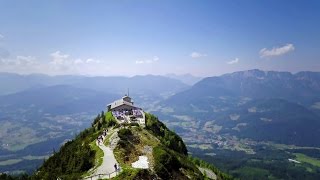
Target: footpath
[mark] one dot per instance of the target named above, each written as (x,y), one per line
(107,169)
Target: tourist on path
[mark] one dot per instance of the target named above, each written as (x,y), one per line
(115,167)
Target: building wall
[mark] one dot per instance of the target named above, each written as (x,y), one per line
(122,108)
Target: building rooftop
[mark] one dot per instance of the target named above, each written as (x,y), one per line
(125,100)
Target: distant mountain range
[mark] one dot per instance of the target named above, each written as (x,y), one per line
(262,105)
(185,78)
(160,85)
(144,89)
(58,99)
(302,87)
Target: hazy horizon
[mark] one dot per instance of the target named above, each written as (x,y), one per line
(164,75)
(112,38)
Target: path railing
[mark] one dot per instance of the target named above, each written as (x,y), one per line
(101,175)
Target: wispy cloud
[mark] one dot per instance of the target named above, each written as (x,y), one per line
(1,36)
(91,60)
(235,61)
(148,61)
(86,61)
(58,58)
(139,62)
(25,60)
(197,55)
(59,63)
(22,61)
(276,51)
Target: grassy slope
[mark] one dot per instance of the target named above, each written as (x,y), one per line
(307,159)
(167,154)
(78,156)
(133,146)
(129,153)
(168,159)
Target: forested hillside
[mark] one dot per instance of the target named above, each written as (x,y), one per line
(168,157)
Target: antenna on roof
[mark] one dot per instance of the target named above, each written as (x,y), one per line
(128,92)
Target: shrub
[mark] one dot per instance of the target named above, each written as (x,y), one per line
(168,138)
(135,124)
(73,159)
(164,161)
(205,164)
(110,120)
(124,133)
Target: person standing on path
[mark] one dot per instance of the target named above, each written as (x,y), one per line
(115,167)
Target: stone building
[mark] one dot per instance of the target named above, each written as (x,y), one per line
(123,104)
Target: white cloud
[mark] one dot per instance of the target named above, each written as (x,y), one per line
(91,60)
(139,62)
(78,61)
(59,63)
(1,36)
(63,63)
(148,61)
(25,60)
(235,61)
(87,61)
(58,58)
(276,51)
(155,58)
(18,62)
(197,55)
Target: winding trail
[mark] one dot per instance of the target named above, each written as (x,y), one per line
(107,166)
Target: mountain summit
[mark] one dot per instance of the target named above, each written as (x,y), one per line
(126,143)
(302,87)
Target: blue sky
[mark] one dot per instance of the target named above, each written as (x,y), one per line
(125,37)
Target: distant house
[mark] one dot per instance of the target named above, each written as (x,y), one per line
(123,104)
(295,161)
